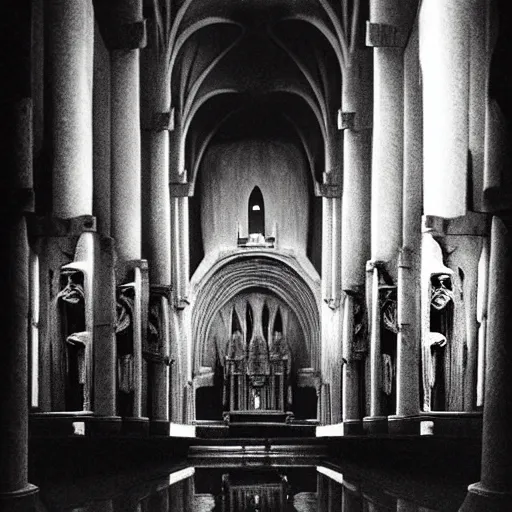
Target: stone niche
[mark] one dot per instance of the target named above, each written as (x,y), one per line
(64,254)
(454,311)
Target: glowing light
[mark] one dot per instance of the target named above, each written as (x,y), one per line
(256,208)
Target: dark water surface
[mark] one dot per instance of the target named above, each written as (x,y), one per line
(255,487)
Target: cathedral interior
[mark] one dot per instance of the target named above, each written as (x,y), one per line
(256,255)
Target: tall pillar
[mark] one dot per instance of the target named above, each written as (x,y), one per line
(124,36)
(336,361)
(386,34)
(180,266)
(105,418)
(156,116)
(126,142)
(16,147)
(494,491)
(14,486)
(445,40)
(331,313)
(71,36)
(357,106)
(406,419)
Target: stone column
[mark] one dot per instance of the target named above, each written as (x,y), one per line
(126,142)
(70,48)
(124,35)
(184,269)
(406,419)
(494,491)
(14,486)
(445,57)
(385,33)
(16,147)
(326,312)
(156,116)
(351,410)
(336,361)
(351,497)
(357,113)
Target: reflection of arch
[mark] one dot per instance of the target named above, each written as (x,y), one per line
(256,212)
(230,277)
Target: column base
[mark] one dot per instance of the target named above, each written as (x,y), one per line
(21,500)
(135,426)
(479,498)
(58,424)
(404,425)
(104,425)
(352,428)
(455,424)
(159,428)
(375,425)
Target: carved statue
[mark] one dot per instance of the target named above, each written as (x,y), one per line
(77,339)
(281,357)
(280,348)
(236,349)
(155,342)
(124,335)
(441,296)
(258,361)
(388,308)
(360,342)
(234,372)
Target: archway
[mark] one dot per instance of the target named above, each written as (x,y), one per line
(247,280)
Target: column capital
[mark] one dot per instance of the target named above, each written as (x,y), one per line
(160,122)
(371,265)
(181,189)
(405,257)
(328,190)
(19,200)
(161,290)
(382,35)
(125,36)
(346,120)
(58,227)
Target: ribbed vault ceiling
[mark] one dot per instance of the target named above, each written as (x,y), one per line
(249,68)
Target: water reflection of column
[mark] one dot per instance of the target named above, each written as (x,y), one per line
(494,491)
(334,496)
(405,506)
(100,506)
(351,497)
(322,492)
(159,502)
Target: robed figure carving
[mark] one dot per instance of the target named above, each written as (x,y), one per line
(77,340)
(281,361)
(234,389)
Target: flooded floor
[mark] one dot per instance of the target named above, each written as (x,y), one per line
(229,487)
